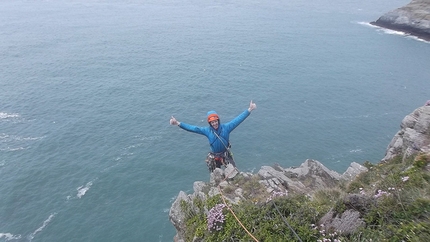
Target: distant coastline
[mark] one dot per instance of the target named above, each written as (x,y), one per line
(412,19)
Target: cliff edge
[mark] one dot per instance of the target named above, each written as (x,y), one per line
(413,19)
(413,136)
(314,203)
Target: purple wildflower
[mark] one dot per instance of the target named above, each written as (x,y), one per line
(276,194)
(216,217)
(380,193)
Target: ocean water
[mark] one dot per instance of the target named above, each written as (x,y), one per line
(87,89)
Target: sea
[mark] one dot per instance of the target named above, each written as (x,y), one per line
(87,88)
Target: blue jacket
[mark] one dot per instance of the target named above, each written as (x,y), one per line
(223,132)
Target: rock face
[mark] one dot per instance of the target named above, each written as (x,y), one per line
(413,137)
(352,218)
(413,19)
(306,179)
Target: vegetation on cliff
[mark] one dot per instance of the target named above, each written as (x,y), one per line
(392,199)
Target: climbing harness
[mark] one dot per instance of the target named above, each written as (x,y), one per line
(216,160)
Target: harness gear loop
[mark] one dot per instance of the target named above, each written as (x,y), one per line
(216,160)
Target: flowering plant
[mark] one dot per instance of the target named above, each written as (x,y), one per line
(216,217)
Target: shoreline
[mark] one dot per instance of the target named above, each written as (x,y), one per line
(405,29)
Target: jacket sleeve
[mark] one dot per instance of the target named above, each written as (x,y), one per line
(236,121)
(192,128)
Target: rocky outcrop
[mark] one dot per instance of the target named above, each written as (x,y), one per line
(305,179)
(308,177)
(351,219)
(413,19)
(413,136)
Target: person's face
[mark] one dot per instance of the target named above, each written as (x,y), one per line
(214,124)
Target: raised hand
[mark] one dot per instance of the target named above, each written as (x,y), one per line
(252,106)
(173,121)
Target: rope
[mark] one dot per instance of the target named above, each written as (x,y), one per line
(234,215)
(222,195)
(286,222)
(237,219)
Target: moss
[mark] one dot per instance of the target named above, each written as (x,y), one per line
(354,187)
(421,161)
(324,199)
(252,187)
(368,165)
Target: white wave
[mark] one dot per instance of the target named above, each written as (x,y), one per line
(133,146)
(12,149)
(151,138)
(8,115)
(45,223)
(110,167)
(31,138)
(9,236)
(83,189)
(172,199)
(356,151)
(417,39)
(367,24)
(4,136)
(19,138)
(393,32)
(11,144)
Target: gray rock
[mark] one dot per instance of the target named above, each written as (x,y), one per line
(198,186)
(313,174)
(413,137)
(177,216)
(353,170)
(177,239)
(216,176)
(346,223)
(230,171)
(268,172)
(414,19)
(358,202)
(350,220)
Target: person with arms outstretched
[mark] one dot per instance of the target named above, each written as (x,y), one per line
(218,135)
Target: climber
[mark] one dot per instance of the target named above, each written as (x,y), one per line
(218,135)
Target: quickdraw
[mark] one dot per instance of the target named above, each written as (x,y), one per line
(216,160)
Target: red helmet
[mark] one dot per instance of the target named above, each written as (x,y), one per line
(212,115)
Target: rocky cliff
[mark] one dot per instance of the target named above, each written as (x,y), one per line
(413,19)
(350,197)
(413,136)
